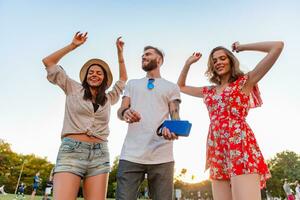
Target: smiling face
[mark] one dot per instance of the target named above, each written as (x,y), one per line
(221,63)
(150,60)
(95,76)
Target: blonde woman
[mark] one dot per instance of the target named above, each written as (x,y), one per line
(237,167)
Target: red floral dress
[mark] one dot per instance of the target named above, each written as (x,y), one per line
(231,146)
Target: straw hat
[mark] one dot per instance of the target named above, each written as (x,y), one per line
(96,61)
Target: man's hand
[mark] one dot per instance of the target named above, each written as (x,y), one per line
(119,44)
(131,116)
(169,135)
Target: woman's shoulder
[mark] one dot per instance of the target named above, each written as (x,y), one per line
(208,89)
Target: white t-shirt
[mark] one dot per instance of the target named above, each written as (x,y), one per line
(142,145)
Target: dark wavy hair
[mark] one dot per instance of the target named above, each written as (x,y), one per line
(234,67)
(101,95)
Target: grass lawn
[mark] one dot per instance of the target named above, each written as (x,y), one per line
(13,197)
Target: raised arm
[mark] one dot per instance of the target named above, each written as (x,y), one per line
(122,67)
(193,91)
(273,50)
(54,58)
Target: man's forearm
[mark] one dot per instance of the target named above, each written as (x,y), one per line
(174,110)
(121,112)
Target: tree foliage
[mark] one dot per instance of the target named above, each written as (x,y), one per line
(11,166)
(285,165)
(112,181)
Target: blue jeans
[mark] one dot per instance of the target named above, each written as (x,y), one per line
(130,175)
(82,158)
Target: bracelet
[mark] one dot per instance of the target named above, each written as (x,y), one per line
(123,112)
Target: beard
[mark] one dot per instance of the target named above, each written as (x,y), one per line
(150,66)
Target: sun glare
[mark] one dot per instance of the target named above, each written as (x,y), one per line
(191,176)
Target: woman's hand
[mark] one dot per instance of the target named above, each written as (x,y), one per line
(193,58)
(273,50)
(53,58)
(79,39)
(236,47)
(190,90)
(119,44)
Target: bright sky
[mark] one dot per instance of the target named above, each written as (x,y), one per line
(32,109)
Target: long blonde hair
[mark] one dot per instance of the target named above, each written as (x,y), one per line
(234,67)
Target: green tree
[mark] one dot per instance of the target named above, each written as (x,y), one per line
(10,162)
(284,165)
(112,182)
(34,164)
(11,165)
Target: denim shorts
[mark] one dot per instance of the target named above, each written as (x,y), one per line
(82,158)
(35,186)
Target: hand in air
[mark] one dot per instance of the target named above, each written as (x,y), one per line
(193,58)
(235,47)
(79,39)
(120,44)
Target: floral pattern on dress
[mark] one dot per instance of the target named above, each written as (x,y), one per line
(231,146)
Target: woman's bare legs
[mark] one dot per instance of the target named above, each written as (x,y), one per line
(221,190)
(246,187)
(95,187)
(65,186)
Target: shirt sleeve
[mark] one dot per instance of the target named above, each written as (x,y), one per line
(175,94)
(127,92)
(57,75)
(115,93)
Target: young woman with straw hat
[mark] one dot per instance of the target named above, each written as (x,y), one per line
(83,153)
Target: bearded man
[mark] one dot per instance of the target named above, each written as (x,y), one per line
(147,102)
